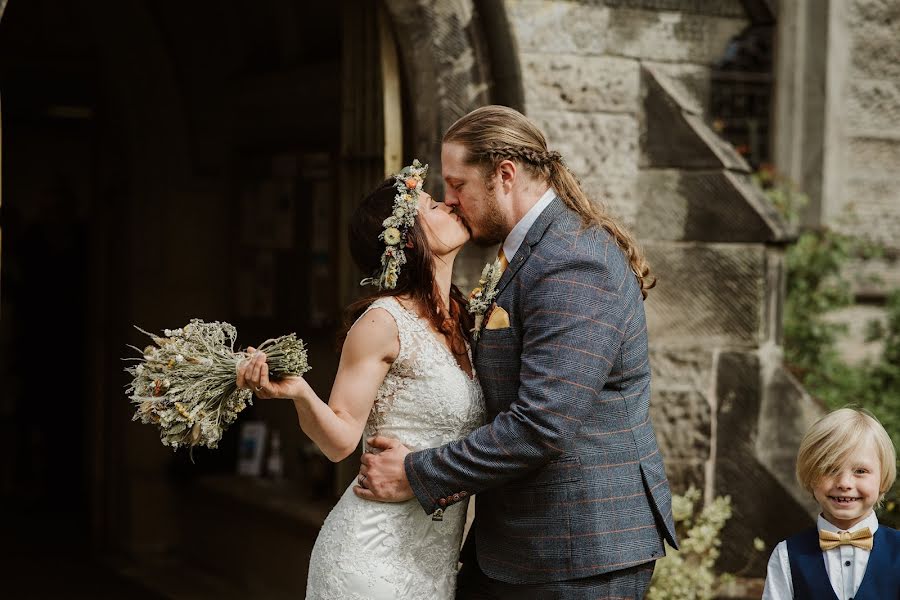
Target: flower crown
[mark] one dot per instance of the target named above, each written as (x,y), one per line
(408,184)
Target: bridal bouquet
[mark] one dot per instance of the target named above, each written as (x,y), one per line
(187,383)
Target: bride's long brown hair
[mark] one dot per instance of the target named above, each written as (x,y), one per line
(416,277)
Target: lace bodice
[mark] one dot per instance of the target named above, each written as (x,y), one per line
(426,399)
(370,550)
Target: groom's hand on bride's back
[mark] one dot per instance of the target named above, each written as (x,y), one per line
(382,476)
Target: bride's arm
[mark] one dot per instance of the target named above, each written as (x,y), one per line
(336,428)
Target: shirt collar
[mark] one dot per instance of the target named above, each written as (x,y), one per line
(871,522)
(517,235)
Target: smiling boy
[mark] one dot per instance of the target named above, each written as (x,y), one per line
(847,461)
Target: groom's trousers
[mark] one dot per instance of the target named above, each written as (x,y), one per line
(473,584)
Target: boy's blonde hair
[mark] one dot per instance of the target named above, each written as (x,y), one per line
(831,440)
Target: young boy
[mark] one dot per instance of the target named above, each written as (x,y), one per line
(847,461)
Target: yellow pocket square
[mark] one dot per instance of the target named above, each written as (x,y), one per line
(499,318)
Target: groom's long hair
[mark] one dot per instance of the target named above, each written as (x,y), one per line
(492,134)
(416,277)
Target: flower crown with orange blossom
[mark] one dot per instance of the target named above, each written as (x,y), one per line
(408,184)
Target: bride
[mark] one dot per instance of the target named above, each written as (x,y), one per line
(405,372)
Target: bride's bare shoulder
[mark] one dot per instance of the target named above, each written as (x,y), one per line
(374,333)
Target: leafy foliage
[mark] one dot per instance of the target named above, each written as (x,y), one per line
(688,574)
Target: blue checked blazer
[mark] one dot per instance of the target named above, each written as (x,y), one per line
(569,477)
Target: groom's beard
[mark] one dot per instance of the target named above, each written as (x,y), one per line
(491,225)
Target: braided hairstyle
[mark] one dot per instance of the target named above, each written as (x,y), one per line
(492,134)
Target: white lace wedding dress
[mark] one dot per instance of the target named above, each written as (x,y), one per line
(371,550)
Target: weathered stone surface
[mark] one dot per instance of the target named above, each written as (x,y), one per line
(872,209)
(710,206)
(874,11)
(683,474)
(580,83)
(876,53)
(670,36)
(616,194)
(682,419)
(673,136)
(445,65)
(691,83)
(707,295)
(853,346)
(785,414)
(873,107)
(558,27)
(592,144)
(875,48)
(683,366)
(874,156)
(713,8)
(740,475)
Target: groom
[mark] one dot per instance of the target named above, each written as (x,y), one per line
(573,500)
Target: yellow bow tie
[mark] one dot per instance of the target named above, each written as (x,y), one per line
(861,538)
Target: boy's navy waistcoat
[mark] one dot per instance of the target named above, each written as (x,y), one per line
(810,579)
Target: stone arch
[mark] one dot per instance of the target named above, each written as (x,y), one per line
(446,65)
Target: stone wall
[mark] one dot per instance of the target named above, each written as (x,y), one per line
(620,88)
(862,192)
(843,146)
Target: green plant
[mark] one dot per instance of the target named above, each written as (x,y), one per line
(688,574)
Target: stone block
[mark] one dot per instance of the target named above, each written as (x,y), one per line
(553,27)
(759,503)
(682,419)
(862,12)
(616,194)
(709,206)
(785,414)
(690,82)
(685,366)
(873,107)
(671,36)
(683,474)
(592,144)
(674,135)
(875,53)
(717,8)
(707,295)
(872,210)
(580,83)
(875,156)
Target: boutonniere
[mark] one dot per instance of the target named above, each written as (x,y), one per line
(481,298)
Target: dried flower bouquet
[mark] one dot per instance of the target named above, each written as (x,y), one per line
(186,383)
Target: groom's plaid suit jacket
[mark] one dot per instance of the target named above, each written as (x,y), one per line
(569,477)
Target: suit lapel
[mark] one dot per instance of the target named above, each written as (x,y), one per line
(534,235)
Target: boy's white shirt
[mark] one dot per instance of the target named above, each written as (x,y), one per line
(845,580)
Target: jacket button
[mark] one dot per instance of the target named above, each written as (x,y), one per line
(456,497)
(463,494)
(442,502)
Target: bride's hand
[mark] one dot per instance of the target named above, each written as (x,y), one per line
(253,374)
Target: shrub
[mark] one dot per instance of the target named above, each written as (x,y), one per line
(687,574)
